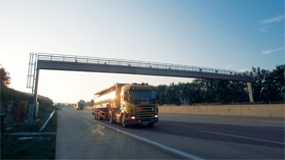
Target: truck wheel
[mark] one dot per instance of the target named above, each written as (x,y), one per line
(110,118)
(124,124)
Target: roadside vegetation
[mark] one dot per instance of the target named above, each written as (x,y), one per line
(267,86)
(26,147)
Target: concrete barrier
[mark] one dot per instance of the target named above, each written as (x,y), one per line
(257,110)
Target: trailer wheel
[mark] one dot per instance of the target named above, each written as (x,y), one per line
(124,124)
(97,116)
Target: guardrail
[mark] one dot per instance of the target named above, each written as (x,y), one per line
(133,63)
(45,124)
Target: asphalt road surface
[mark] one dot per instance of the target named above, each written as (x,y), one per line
(80,136)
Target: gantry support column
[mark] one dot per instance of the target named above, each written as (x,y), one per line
(250,91)
(36,86)
(36,104)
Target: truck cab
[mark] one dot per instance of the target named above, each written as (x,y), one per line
(139,105)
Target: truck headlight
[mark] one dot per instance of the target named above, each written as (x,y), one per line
(156,116)
(133,117)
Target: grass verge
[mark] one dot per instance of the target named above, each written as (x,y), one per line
(32,147)
(40,147)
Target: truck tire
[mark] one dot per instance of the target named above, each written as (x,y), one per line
(124,124)
(110,118)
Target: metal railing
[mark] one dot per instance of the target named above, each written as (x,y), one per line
(32,71)
(133,63)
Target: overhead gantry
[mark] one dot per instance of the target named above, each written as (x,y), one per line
(107,65)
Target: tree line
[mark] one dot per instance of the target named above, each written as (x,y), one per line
(9,94)
(267,87)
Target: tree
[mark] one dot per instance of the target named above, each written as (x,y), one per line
(267,86)
(160,89)
(172,94)
(5,77)
(90,103)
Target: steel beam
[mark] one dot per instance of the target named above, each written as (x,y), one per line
(107,68)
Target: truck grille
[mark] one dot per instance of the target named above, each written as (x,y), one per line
(147,112)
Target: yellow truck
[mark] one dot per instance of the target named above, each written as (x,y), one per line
(128,104)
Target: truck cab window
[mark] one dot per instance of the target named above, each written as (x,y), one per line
(141,95)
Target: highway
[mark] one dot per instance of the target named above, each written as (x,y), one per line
(80,136)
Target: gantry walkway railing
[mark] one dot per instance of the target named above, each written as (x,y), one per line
(109,65)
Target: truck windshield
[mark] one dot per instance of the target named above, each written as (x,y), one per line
(143,95)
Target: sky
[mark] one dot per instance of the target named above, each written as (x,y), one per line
(227,34)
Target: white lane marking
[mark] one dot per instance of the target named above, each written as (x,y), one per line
(243,137)
(175,151)
(270,121)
